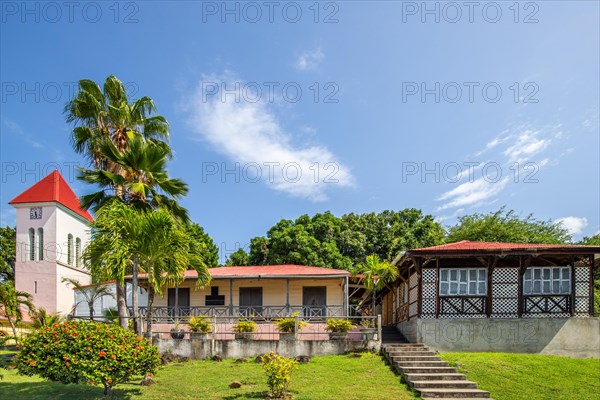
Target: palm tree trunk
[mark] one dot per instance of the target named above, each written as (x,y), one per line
(91,311)
(134,296)
(149,311)
(14,328)
(121,305)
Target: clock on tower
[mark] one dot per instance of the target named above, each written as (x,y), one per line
(35,213)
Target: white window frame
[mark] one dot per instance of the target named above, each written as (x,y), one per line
(547,280)
(463,282)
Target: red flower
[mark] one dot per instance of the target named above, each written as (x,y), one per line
(102,353)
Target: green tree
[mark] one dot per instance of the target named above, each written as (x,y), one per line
(591,240)
(8,248)
(328,241)
(91,293)
(507,226)
(376,274)
(238,258)
(208,249)
(160,243)
(102,115)
(12,303)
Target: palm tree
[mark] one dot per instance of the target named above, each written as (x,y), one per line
(91,293)
(41,318)
(11,302)
(376,274)
(153,238)
(107,115)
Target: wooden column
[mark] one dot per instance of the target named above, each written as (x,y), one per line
(437,287)
(231,297)
(591,299)
(520,288)
(287,295)
(572,286)
(420,287)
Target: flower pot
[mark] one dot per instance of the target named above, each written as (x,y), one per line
(338,335)
(201,335)
(287,336)
(244,335)
(177,333)
(368,333)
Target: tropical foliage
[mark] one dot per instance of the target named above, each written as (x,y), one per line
(507,226)
(339,325)
(12,303)
(200,324)
(8,246)
(86,353)
(42,318)
(279,374)
(244,326)
(288,324)
(91,293)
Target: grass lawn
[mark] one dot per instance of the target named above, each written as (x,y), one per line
(530,376)
(325,377)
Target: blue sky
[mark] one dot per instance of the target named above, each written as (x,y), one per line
(285,108)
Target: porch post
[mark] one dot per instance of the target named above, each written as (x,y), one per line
(177,302)
(230,297)
(591,283)
(287,295)
(346,300)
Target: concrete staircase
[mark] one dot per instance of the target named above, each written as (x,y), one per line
(428,375)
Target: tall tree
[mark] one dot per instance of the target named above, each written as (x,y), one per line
(507,226)
(208,250)
(238,258)
(8,248)
(376,274)
(159,242)
(106,114)
(12,303)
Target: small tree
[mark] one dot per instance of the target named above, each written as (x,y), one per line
(11,303)
(279,373)
(86,353)
(41,318)
(90,293)
(376,274)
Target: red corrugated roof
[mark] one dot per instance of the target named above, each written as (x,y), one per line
(465,245)
(53,188)
(264,271)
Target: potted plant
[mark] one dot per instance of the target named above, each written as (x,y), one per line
(338,328)
(287,326)
(244,329)
(177,332)
(368,330)
(200,327)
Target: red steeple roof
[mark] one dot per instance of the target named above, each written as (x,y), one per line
(53,188)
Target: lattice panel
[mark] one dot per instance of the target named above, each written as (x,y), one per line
(582,274)
(505,292)
(428,291)
(581,308)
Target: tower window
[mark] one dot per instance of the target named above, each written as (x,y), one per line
(34,286)
(40,234)
(77,251)
(31,244)
(70,249)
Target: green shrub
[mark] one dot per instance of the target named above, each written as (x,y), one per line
(288,325)
(200,324)
(86,353)
(339,325)
(112,315)
(244,326)
(279,373)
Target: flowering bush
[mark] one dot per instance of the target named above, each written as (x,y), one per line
(288,324)
(86,352)
(279,373)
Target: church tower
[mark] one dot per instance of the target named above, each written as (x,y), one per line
(52,231)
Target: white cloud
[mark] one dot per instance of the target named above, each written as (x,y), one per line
(574,225)
(17,129)
(252,133)
(309,59)
(471,193)
(526,145)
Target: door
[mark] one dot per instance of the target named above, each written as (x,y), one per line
(183,302)
(251,301)
(314,301)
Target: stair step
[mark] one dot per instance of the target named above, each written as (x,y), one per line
(426,370)
(421,363)
(454,393)
(444,384)
(416,358)
(396,353)
(434,377)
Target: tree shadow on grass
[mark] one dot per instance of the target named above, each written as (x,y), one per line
(249,395)
(52,390)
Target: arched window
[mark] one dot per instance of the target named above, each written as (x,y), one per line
(77,251)
(70,249)
(40,244)
(31,244)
